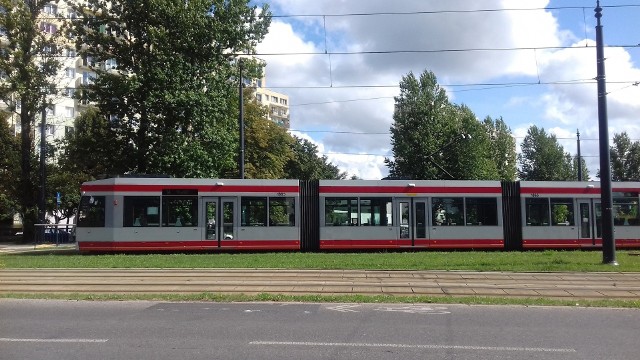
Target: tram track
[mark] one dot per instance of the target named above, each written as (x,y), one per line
(324,282)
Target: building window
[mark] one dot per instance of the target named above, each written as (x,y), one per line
(110,64)
(70,72)
(48,28)
(283,101)
(48,128)
(69,92)
(87,78)
(259,97)
(70,53)
(266,97)
(50,9)
(274,99)
(69,111)
(68,130)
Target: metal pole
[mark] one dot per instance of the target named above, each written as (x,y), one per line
(608,240)
(579,158)
(241,124)
(43,144)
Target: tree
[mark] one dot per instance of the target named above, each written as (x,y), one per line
(9,171)
(268,146)
(307,165)
(585,169)
(543,158)
(29,63)
(625,158)
(165,75)
(93,148)
(432,138)
(503,148)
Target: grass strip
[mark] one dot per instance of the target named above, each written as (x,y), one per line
(365,299)
(527,261)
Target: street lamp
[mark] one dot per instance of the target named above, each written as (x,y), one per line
(43,175)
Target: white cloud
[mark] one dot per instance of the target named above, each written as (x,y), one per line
(562,108)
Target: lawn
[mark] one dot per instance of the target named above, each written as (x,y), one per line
(426,260)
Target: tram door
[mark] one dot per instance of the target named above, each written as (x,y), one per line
(413,221)
(590,212)
(220,219)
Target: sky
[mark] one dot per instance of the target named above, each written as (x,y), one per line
(531,62)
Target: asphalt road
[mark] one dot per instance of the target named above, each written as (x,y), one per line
(47,330)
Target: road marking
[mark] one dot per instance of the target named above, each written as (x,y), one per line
(55,340)
(407,346)
(415,309)
(343,308)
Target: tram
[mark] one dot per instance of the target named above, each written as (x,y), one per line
(126,214)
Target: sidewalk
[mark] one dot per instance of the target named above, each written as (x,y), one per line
(6,248)
(568,286)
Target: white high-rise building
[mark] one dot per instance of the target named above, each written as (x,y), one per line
(277,103)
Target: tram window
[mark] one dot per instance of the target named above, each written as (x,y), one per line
(375,211)
(141,211)
(91,211)
(253,211)
(282,212)
(482,211)
(625,210)
(448,211)
(562,212)
(537,211)
(340,211)
(179,211)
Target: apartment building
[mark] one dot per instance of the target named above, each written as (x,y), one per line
(277,103)
(74,71)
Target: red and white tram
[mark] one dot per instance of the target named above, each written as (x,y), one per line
(155,214)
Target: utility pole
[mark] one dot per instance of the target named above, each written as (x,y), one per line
(43,149)
(579,158)
(608,239)
(241,125)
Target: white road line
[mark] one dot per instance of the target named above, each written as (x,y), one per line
(55,340)
(426,346)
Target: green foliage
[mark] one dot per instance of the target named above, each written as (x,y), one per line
(543,158)
(29,62)
(9,171)
(268,146)
(435,139)
(625,158)
(307,165)
(93,148)
(503,148)
(170,90)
